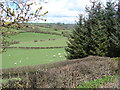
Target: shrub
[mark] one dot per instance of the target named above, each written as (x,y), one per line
(56,29)
(35,40)
(15,42)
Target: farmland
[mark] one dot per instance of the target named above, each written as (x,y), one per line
(23,57)
(17,57)
(85,54)
(20,62)
(43,40)
(29,36)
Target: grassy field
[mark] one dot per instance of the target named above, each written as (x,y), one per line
(52,30)
(47,43)
(26,57)
(29,36)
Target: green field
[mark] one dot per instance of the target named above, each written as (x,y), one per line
(52,30)
(29,36)
(47,43)
(26,57)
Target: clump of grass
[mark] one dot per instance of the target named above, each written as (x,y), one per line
(35,40)
(98,82)
(12,79)
(116,58)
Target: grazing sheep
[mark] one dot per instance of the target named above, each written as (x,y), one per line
(60,56)
(15,63)
(20,61)
(59,53)
(54,55)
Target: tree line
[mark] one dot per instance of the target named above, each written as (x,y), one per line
(98,33)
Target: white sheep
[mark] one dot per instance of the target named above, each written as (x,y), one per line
(60,56)
(59,53)
(54,55)
(15,63)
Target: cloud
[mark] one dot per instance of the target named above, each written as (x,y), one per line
(61,19)
(63,10)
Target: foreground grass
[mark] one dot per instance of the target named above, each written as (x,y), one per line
(98,82)
(26,57)
(12,79)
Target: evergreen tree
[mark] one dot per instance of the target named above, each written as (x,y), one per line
(77,44)
(99,34)
(112,29)
(97,44)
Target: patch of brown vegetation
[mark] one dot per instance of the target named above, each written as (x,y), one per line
(36,47)
(70,73)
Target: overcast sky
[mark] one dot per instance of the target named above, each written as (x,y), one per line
(64,11)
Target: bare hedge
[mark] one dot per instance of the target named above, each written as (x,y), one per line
(36,47)
(67,74)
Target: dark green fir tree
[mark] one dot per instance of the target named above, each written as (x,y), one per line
(112,29)
(77,42)
(98,34)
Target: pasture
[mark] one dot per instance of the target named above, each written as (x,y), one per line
(52,30)
(16,57)
(30,36)
(54,60)
(27,57)
(47,43)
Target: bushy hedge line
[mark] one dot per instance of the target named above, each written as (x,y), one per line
(53,33)
(66,74)
(35,47)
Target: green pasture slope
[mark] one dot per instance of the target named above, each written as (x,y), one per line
(26,57)
(30,36)
(55,43)
(52,30)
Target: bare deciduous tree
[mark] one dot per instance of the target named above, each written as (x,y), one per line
(17,13)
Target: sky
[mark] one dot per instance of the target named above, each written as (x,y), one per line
(64,11)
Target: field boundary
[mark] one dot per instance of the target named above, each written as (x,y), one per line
(45,32)
(53,65)
(36,47)
(64,74)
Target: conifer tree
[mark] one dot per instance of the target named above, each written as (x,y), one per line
(99,34)
(112,30)
(77,44)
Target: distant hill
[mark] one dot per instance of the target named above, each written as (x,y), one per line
(54,25)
